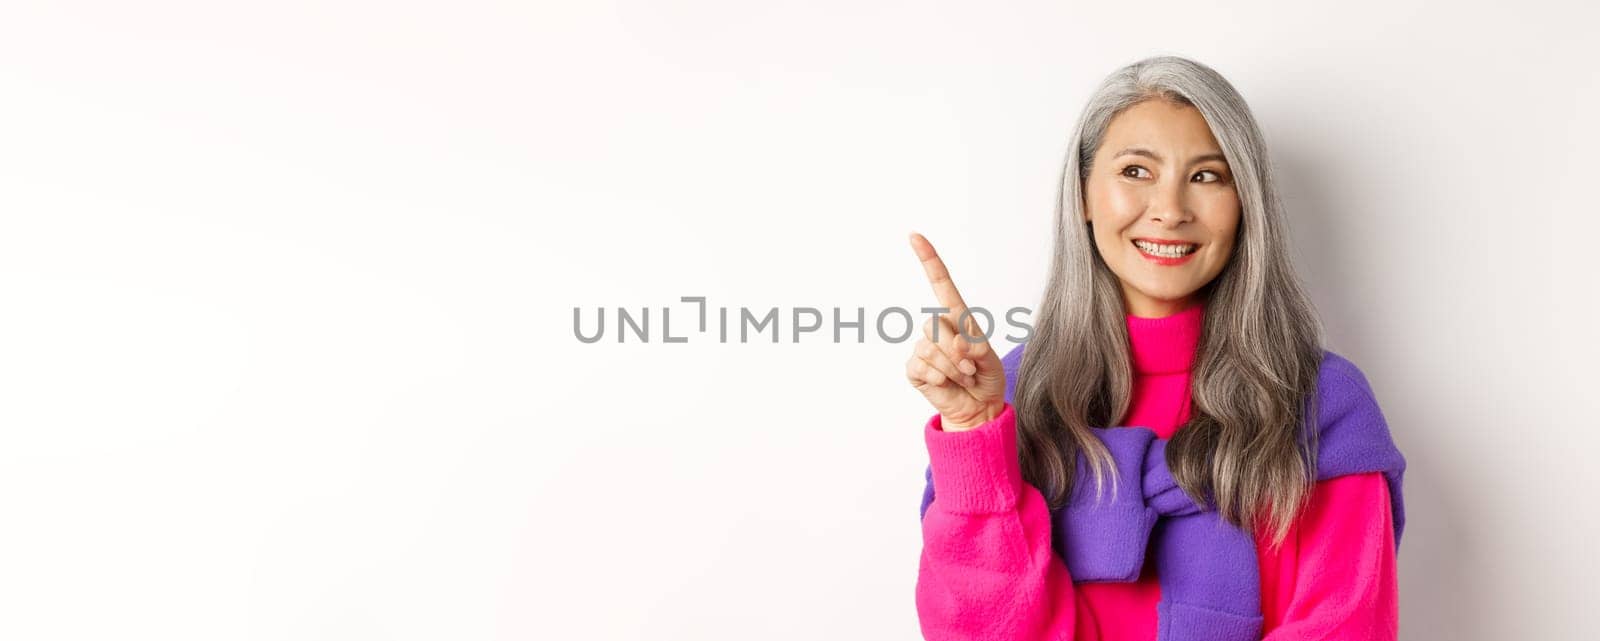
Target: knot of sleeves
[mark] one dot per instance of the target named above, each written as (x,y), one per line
(1103,538)
(1209,573)
(1210,580)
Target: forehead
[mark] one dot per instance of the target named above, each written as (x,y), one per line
(1163,127)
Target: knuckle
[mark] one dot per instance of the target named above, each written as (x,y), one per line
(954,344)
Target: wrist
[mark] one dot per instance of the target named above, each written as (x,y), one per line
(962,424)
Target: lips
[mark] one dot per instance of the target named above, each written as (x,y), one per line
(1162,252)
(1161,246)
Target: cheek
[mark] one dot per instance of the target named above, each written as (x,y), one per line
(1115,207)
(1225,242)
(1124,203)
(1221,214)
(1226,205)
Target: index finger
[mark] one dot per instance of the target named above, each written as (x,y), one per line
(943,288)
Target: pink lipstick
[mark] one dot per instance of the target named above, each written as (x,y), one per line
(1165,260)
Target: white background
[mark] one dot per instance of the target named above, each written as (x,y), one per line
(286,297)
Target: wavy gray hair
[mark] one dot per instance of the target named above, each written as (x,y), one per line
(1260,350)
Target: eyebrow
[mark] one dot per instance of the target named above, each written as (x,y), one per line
(1141,151)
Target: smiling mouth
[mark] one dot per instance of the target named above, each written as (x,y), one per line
(1165,250)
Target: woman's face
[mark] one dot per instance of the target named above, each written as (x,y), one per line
(1159,176)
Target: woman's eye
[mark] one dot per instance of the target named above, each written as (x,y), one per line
(1217,177)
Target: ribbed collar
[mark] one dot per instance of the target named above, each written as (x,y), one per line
(1165,345)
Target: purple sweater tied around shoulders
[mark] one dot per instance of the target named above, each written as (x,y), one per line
(1210,580)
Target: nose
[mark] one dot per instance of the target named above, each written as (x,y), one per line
(1167,207)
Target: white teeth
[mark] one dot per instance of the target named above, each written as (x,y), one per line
(1170,251)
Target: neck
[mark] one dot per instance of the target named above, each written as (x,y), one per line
(1142,307)
(1166,344)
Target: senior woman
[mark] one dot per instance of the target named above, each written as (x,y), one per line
(1244,482)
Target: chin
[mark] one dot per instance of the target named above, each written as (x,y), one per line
(1169,297)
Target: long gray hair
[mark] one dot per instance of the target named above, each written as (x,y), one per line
(1246,443)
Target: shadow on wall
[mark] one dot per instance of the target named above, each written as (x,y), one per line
(1438,599)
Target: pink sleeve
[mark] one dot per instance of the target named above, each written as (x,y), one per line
(1346,586)
(988,571)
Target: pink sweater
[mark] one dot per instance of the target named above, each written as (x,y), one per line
(988,570)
